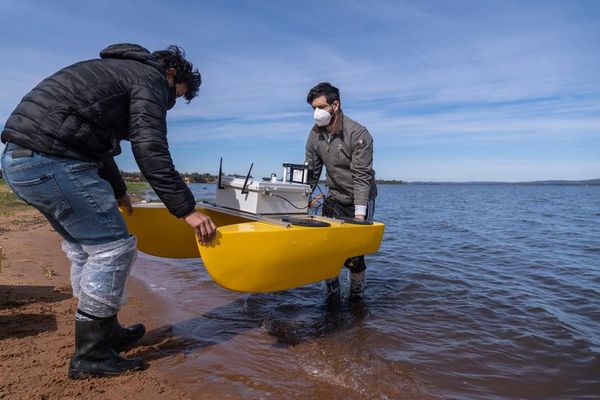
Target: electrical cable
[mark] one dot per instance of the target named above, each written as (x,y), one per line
(292,204)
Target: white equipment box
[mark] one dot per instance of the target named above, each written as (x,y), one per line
(264,197)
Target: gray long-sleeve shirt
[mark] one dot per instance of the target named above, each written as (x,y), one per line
(347,154)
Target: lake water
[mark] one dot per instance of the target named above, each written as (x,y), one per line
(477,292)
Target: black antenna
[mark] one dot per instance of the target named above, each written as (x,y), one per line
(244,188)
(219,186)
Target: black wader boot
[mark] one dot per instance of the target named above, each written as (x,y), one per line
(94,354)
(125,337)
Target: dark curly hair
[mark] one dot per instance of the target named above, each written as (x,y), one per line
(174,57)
(326,89)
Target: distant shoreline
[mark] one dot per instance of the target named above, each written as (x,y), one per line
(589,182)
(136,185)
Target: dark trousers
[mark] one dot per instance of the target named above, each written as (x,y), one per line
(334,209)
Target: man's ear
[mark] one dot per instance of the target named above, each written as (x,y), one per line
(338,105)
(171,72)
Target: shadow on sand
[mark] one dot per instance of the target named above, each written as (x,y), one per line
(20,295)
(27,323)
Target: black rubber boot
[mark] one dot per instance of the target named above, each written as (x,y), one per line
(125,337)
(94,355)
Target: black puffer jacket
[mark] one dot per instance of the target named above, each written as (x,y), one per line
(83,111)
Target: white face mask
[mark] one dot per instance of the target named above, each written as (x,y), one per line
(322,117)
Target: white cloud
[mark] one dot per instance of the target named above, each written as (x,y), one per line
(414,73)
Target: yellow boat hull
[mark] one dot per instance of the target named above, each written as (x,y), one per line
(255,256)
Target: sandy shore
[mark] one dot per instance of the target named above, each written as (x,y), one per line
(37,321)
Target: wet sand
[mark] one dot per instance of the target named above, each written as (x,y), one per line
(205,350)
(37,321)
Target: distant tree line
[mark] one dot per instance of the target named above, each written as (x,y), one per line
(196,177)
(193,177)
(133,176)
(389,182)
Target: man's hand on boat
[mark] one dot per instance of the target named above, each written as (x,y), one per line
(203,225)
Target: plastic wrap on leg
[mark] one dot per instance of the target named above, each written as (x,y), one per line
(332,286)
(78,257)
(125,295)
(94,307)
(106,270)
(358,281)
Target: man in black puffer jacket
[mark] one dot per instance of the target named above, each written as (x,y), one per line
(60,144)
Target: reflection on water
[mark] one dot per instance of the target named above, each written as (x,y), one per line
(478,292)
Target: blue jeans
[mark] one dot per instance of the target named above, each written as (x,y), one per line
(79,204)
(82,208)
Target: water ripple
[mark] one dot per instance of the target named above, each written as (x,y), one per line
(478,292)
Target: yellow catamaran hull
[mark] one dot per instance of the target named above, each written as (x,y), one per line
(251,255)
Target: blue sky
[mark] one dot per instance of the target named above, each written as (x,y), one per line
(450,90)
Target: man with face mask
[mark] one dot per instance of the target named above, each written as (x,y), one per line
(345,148)
(60,144)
